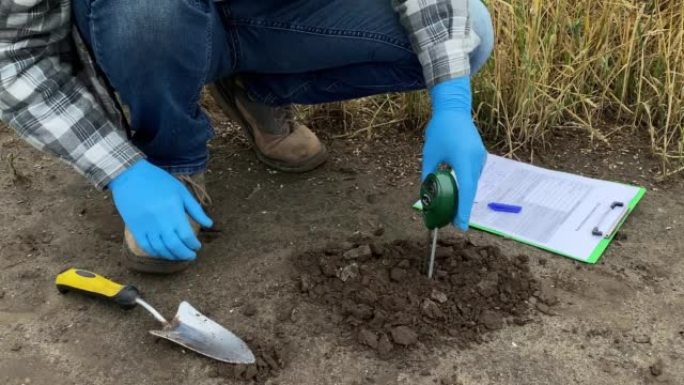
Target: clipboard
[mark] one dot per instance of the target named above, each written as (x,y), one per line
(563,213)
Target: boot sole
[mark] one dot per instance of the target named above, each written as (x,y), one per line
(150,265)
(224,100)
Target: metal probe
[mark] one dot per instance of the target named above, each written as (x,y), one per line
(431,266)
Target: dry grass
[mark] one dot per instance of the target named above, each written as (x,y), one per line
(608,67)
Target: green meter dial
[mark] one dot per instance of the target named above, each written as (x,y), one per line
(439,196)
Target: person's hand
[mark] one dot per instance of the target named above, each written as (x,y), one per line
(153,204)
(452,138)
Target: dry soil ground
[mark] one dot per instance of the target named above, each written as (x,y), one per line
(537,320)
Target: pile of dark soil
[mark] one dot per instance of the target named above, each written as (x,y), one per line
(271,357)
(388,303)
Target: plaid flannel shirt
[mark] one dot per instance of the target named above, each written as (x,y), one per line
(53,96)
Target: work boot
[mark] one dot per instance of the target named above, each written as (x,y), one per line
(278,140)
(135,257)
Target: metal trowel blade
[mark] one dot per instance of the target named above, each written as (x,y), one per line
(193,330)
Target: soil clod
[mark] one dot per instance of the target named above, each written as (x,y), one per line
(438,296)
(404,335)
(657,368)
(349,272)
(305,283)
(491,320)
(338,247)
(361,238)
(360,252)
(270,358)
(544,308)
(431,310)
(249,310)
(397,274)
(368,338)
(384,346)
(642,339)
(377,249)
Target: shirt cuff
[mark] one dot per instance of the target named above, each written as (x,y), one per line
(447,60)
(107,158)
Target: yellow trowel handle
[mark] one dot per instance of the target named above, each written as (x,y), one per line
(89,283)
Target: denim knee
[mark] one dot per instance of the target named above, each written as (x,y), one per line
(481,24)
(142,33)
(132,22)
(144,28)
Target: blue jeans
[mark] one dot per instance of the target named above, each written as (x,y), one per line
(159,55)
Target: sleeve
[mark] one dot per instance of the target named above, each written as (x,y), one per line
(441,35)
(46,101)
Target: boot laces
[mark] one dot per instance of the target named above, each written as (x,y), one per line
(197,187)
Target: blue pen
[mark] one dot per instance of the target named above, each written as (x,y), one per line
(504,208)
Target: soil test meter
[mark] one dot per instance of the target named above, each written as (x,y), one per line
(439,197)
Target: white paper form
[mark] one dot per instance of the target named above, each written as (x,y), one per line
(559,210)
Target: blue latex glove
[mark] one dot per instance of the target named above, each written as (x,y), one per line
(153,204)
(452,138)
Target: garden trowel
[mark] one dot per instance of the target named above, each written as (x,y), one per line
(188,328)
